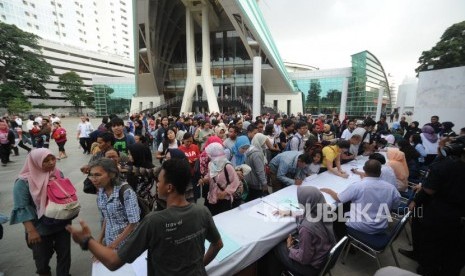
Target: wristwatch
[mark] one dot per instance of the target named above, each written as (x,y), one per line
(85,242)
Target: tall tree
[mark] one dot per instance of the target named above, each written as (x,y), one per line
(448,52)
(22,68)
(71,84)
(19,105)
(313,96)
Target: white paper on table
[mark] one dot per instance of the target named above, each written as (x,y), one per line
(311,177)
(137,268)
(99,269)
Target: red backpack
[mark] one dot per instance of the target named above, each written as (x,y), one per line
(62,202)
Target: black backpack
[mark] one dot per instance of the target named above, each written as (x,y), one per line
(143,204)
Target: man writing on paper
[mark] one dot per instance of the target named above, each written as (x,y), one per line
(174,237)
(288,168)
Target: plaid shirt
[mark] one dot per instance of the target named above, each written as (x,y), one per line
(117,216)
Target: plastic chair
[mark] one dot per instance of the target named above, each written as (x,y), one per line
(374,244)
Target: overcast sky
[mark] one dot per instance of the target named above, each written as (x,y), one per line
(324,33)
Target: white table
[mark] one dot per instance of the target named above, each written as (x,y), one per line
(256,231)
(257,234)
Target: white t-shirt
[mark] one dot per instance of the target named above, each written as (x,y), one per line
(361,131)
(173,145)
(85,129)
(346,134)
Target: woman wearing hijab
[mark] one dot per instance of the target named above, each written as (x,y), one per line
(30,198)
(261,141)
(411,157)
(221,130)
(238,157)
(447,131)
(430,141)
(255,159)
(398,163)
(411,130)
(222,187)
(315,238)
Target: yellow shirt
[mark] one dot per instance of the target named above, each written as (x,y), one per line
(330,153)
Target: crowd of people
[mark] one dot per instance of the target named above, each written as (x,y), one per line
(229,159)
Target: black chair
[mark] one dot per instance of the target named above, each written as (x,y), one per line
(334,256)
(374,244)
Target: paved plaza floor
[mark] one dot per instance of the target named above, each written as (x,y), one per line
(16,258)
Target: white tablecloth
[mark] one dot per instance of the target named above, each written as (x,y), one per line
(257,234)
(254,228)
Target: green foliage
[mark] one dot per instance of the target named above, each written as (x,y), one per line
(333,96)
(448,52)
(19,105)
(71,84)
(313,96)
(22,68)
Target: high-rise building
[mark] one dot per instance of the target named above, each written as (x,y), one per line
(90,37)
(86,24)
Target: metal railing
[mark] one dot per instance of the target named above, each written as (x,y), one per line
(247,105)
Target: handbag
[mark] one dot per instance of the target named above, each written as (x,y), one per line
(242,190)
(62,202)
(89,187)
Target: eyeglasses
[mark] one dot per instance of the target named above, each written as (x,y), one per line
(95,175)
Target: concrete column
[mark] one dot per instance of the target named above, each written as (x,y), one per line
(257,86)
(345,90)
(189,89)
(206,68)
(380,104)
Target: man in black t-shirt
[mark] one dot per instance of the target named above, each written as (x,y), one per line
(439,234)
(174,237)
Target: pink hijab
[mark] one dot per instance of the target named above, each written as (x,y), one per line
(213,139)
(399,165)
(38,179)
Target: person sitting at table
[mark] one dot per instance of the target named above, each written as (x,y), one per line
(332,157)
(175,237)
(398,163)
(387,174)
(288,168)
(369,198)
(307,253)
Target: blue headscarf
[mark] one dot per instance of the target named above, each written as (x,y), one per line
(241,141)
